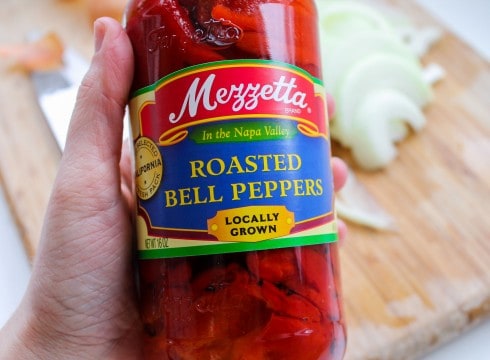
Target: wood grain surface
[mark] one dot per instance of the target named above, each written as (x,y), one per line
(406,291)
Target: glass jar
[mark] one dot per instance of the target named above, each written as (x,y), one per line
(235,223)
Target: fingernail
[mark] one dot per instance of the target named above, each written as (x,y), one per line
(99,31)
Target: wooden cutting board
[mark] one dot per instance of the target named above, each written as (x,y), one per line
(405,292)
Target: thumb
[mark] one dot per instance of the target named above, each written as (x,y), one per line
(89,177)
(86,195)
(96,126)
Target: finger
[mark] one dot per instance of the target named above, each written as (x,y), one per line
(340,171)
(342,231)
(97,121)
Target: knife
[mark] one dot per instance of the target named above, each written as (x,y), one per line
(57,91)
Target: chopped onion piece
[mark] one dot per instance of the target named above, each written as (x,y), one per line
(377,127)
(433,73)
(368,60)
(356,48)
(420,40)
(354,203)
(372,69)
(376,72)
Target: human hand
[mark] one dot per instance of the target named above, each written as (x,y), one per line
(340,172)
(81,300)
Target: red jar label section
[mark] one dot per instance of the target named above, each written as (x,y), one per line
(232,89)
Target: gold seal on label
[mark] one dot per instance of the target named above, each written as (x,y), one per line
(149,168)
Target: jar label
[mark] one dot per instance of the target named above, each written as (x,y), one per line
(232,156)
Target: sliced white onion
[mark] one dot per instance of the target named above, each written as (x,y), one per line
(372,68)
(419,40)
(377,126)
(376,72)
(354,203)
(340,18)
(433,73)
(357,47)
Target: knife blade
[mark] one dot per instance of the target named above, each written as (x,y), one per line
(57,91)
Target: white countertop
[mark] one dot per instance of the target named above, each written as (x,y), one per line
(469,19)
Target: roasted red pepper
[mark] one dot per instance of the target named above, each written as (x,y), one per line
(273,304)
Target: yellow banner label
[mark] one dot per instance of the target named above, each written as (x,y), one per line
(251,223)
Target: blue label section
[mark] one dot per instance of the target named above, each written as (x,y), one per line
(202,177)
